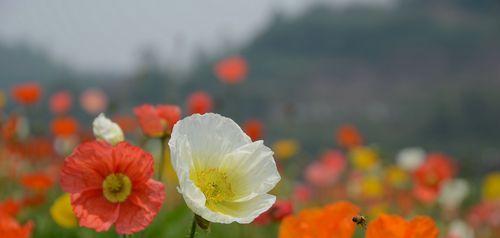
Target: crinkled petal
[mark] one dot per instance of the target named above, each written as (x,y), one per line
(245,212)
(140,208)
(94,211)
(387,226)
(134,162)
(86,167)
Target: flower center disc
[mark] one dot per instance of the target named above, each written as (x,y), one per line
(214,184)
(116,187)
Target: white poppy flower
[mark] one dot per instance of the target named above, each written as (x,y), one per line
(224,177)
(107,130)
(460,229)
(453,193)
(410,159)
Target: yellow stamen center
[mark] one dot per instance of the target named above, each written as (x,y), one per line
(215,185)
(116,187)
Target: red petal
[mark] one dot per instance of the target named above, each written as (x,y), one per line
(140,208)
(133,162)
(86,168)
(93,210)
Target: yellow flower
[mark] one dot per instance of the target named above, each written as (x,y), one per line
(364,158)
(285,149)
(62,212)
(396,176)
(491,187)
(371,187)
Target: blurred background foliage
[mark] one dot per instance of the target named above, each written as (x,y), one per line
(422,72)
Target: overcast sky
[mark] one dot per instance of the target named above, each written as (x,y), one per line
(108,34)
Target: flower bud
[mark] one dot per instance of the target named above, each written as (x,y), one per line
(107,130)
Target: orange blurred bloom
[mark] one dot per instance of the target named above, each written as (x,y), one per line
(253,128)
(37,181)
(200,102)
(10,228)
(231,70)
(431,175)
(348,136)
(64,126)
(60,102)
(94,101)
(157,121)
(27,93)
(10,207)
(332,221)
(396,227)
(10,126)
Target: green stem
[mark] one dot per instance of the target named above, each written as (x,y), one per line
(193,228)
(163,140)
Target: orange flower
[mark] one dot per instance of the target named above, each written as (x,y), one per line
(348,136)
(37,181)
(10,207)
(27,93)
(157,121)
(60,102)
(64,126)
(10,228)
(253,128)
(231,70)
(396,227)
(332,221)
(199,102)
(429,177)
(112,185)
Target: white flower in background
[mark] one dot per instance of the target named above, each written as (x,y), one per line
(460,229)
(224,177)
(107,130)
(410,159)
(453,193)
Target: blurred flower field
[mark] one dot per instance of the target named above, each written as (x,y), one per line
(180,170)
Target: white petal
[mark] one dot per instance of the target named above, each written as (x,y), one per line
(210,136)
(410,159)
(107,130)
(246,212)
(253,167)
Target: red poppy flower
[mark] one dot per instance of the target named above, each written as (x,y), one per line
(348,136)
(430,176)
(157,121)
(199,102)
(27,93)
(277,212)
(396,227)
(37,181)
(10,207)
(60,102)
(112,185)
(253,128)
(64,126)
(231,70)
(10,228)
